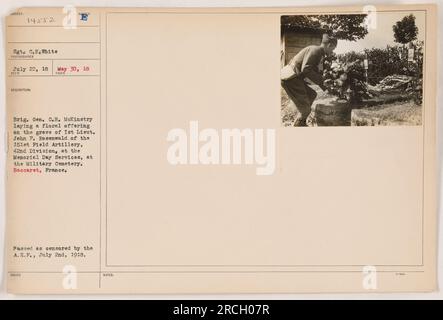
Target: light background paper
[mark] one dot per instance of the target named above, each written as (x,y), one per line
(8,6)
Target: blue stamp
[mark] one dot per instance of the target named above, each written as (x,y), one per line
(84,16)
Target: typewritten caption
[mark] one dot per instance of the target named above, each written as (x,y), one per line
(51,144)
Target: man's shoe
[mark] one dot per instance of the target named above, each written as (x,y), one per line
(300,122)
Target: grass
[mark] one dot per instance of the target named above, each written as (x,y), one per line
(391,114)
(388,114)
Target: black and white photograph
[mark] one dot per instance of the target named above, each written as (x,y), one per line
(352,69)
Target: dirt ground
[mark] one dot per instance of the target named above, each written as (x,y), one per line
(288,111)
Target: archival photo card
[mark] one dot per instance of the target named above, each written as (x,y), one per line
(171,150)
(353,69)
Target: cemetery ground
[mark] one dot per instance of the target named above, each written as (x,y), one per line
(382,109)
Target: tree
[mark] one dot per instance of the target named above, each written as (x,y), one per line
(345,27)
(405,30)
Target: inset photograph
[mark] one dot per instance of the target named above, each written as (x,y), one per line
(352,69)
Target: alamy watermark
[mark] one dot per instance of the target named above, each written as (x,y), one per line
(369,281)
(69,280)
(223,147)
